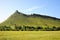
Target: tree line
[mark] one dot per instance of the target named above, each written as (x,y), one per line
(28,28)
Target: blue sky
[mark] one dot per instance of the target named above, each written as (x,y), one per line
(44,7)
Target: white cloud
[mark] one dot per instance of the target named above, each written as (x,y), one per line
(31,9)
(34,8)
(42,13)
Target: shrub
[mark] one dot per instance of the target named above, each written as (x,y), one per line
(38,28)
(54,28)
(58,28)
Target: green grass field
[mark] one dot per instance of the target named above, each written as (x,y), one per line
(29,35)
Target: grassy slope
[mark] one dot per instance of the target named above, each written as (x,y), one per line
(20,19)
(29,35)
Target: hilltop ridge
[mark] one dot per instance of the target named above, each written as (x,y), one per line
(32,20)
(37,15)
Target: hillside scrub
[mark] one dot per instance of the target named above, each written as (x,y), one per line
(28,28)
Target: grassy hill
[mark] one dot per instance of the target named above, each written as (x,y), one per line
(19,18)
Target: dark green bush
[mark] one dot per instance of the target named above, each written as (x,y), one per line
(28,28)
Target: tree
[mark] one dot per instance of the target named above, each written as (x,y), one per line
(1,28)
(39,28)
(58,28)
(47,29)
(54,28)
(17,28)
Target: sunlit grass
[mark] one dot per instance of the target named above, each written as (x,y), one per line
(29,35)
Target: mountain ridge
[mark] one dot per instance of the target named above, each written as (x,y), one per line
(33,20)
(34,14)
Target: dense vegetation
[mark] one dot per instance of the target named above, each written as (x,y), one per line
(28,28)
